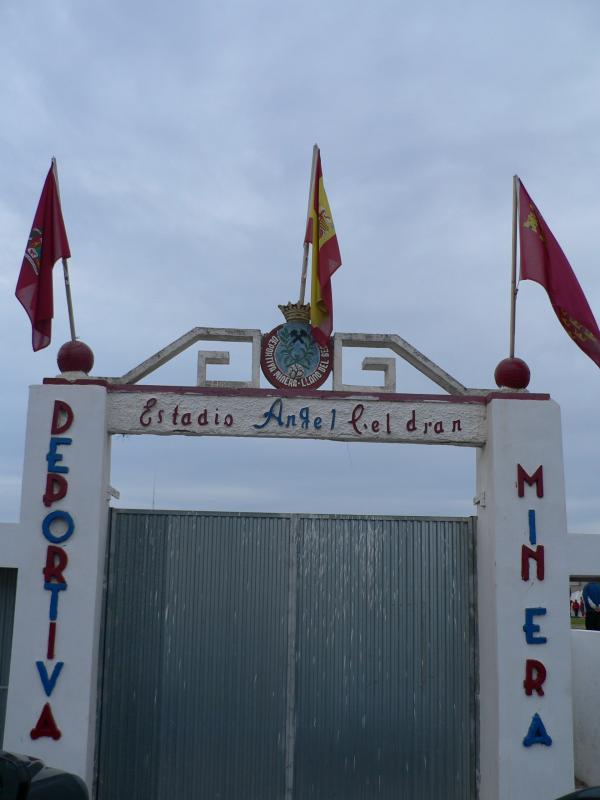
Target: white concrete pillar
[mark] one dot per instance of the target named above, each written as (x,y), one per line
(69,534)
(523,432)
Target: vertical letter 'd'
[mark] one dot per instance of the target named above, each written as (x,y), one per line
(62,417)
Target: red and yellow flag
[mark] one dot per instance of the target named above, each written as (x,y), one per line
(543,261)
(325,258)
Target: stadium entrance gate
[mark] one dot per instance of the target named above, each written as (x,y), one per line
(287,657)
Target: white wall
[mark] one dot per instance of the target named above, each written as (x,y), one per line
(525,432)
(73,698)
(586,704)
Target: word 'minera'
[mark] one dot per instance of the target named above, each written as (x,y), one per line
(57,528)
(535,670)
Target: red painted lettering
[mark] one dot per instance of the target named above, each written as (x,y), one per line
(523,478)
(357,413)
(51,641)
(145,418)
(56,562)
(56,488)
(62,417)
(46,726)
(535,675)
(538,556)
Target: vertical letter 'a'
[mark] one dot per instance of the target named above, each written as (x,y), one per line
(46,726)
(537,733)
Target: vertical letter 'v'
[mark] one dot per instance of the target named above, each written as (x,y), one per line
(49,681)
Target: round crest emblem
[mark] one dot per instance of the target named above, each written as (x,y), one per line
(292,359)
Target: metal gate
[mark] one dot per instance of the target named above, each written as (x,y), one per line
(288,657)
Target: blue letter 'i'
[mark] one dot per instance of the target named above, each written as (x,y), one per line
(532,531)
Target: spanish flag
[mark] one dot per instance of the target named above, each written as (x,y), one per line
(325,258)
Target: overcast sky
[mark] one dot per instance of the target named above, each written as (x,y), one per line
(183,134)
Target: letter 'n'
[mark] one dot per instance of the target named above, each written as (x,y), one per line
(524,478)
(536,555)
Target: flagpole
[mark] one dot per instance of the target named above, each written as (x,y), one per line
(513,282)
(65,268)
(310,200)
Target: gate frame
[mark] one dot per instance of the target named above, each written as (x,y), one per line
(294,517)
(520,434)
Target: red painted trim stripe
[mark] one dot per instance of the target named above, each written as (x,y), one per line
(325,394)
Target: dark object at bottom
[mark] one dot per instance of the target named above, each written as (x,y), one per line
(592,620)
(593,793)
(24,777)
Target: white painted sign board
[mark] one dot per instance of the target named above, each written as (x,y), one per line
(319,415)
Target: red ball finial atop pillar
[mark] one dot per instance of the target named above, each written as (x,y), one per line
(512,373)
(75,356)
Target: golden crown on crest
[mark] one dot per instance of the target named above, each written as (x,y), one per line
(296,312)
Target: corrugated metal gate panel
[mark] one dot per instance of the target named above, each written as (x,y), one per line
(8,588)
(385,678)
(194,694)
(130,743)
(375,615)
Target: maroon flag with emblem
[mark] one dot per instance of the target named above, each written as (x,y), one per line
(543,261)
(47,243)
